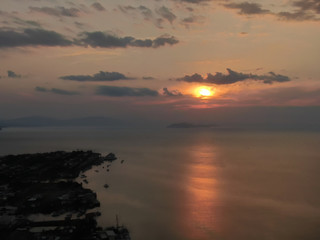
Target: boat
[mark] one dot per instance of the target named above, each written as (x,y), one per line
(111,157)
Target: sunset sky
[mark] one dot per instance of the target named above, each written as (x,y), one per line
(147,60)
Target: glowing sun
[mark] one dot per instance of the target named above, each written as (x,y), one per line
(204,92)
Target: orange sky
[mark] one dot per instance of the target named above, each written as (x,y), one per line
(112,57)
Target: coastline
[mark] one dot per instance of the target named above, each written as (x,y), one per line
(44,183)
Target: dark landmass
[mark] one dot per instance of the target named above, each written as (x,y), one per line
(44,183)
(37,121)
(190,125)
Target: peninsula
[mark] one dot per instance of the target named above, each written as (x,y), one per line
(44,183)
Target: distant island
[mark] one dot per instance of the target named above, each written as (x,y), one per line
(190,125)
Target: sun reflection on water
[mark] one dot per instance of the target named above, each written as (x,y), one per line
(201,216)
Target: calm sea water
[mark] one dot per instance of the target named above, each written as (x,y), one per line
(196,184)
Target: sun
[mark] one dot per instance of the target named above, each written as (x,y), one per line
(204,92)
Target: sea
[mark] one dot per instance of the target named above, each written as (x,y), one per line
(198,183)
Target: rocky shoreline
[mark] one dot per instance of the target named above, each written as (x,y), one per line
(45,183)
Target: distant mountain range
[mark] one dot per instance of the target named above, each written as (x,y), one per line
(190,125)
(38,121)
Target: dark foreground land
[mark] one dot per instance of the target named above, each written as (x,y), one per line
(44,183)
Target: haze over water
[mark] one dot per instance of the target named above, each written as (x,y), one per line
(196,183)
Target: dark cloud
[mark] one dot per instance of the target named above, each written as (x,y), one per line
(195,1)
(12,74)
(192,20)
(32,37)
(148,78)
(165,39)
(233,77)
(99,77)
(98,6)
(305,10)
(247,8)
(313,5)
(41,37)
(296,16)
(113,91)
(57,11)
(173,93)
(166,13)
(56,91)
(107,40)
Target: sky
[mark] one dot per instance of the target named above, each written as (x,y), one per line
(147,60)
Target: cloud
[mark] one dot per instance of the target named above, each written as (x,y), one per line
(173,93)
(107,40)
(163,40)
(41,37)
(306,10)
(100,76)
(98,6)
(146,13)
(114,91)
(31,37)
(195,1)
(12,74)
(295,16)
(166,13)
(192,20)
(313,5)
(148,78)
(247,8)
(233,77)
(57,11)
(56,91)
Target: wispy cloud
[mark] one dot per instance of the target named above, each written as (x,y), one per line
(305,10)
(57,11)
(98,6)
(166,13)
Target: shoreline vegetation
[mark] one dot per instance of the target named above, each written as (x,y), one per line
(44,183)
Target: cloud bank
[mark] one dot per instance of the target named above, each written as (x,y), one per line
(107,40)
(247,8)
(56,91)
(233,77)
(98,77)
(40,37)
(113,91)
(31,37)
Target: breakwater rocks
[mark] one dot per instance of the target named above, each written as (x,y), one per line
(44,183)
